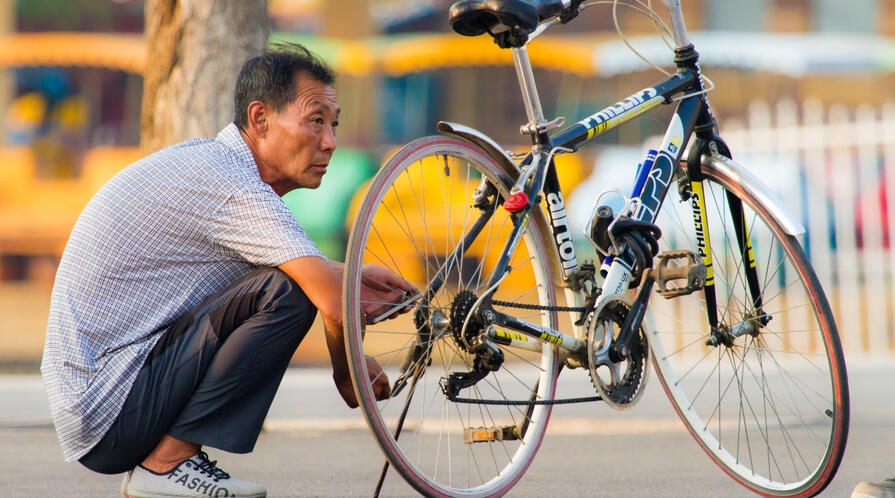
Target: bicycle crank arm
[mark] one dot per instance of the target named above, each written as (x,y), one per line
(565,342)
(619,349)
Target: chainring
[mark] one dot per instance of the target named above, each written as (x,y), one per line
(626,379)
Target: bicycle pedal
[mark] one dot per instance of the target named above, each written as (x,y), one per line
(490,434)
(679,273)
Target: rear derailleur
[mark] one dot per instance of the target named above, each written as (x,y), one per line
(482,365)
(468,330)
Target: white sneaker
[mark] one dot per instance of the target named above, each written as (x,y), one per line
(127,478)
(882,489)
(196,476)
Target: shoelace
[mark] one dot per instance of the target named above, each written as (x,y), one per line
(206,466)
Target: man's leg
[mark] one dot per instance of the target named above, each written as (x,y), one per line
(211,379)
(168,453)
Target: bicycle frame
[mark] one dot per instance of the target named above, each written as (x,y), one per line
(693,114)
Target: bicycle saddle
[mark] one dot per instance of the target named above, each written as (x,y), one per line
(475,17)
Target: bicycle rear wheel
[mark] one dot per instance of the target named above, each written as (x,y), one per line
(768,404)
(414,215)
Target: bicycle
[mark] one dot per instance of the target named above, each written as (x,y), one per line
(748,351)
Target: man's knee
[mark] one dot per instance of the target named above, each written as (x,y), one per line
(264,292)
(283,285)
(277,283)
(287,295)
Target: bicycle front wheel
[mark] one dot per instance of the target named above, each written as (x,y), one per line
(765,394)
(417,212)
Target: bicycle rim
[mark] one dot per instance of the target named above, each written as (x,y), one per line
(413,216)
(771,408)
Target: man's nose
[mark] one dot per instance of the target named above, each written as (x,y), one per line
(329,139)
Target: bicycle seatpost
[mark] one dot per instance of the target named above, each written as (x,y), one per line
(678,27)
(527,83)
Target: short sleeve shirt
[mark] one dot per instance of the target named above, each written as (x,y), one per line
(162,235)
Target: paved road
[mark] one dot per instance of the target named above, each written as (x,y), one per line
(314,446)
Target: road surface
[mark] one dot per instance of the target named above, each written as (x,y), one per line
(314,446)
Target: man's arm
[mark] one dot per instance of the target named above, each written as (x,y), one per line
(323,287)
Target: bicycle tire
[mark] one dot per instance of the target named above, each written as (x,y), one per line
(396,208)
(772,409)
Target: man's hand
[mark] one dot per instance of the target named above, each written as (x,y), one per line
(380,287)
(381,386)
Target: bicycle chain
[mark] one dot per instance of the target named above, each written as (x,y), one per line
(510,402)
(511,304)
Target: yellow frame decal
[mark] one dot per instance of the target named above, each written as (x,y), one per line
(700,221)
(511,335)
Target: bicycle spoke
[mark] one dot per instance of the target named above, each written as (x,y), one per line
(763,400)
(423,255)
(698,340)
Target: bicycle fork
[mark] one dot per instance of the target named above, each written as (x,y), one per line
(723,333)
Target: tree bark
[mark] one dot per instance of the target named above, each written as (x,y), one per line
(196,48)
(7,27)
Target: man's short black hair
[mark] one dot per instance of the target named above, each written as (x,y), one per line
(269,77)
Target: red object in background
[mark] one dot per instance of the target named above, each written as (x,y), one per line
(515,202)
(882,198)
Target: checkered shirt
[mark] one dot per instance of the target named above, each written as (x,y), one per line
(162,235)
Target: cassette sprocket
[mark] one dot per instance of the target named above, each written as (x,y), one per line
(461,308)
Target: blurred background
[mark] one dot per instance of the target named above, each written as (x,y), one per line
(804,97)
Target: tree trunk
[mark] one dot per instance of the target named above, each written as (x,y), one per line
(7,27)
(196,48)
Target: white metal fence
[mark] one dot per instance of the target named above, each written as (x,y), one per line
(835,169)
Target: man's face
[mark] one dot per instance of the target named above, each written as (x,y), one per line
(301,137)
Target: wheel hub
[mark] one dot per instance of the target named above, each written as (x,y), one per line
(751,325)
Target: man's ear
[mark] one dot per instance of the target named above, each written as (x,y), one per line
(258,114)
